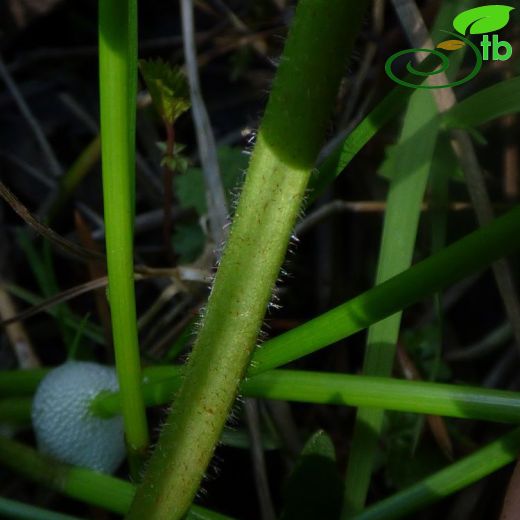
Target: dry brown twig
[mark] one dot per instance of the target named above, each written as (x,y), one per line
(64,244)
(16,333)
(436,423)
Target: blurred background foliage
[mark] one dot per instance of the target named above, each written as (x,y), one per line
(48,52)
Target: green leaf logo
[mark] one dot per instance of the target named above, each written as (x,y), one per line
(451,45)
(481,20)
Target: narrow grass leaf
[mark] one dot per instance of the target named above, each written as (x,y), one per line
(14,509)
(487,104)
(162,382)
(83,484)
(470,254)
(449,480)
(408,168)
(464,402)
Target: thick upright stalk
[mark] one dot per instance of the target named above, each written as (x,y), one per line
(118,85)
(287,145)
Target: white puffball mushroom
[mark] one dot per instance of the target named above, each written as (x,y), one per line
(64,425)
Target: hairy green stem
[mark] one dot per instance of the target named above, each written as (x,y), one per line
(287,145)
(118,86)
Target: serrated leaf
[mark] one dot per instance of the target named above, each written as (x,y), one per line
(451,45)
(482,20)
(315,488)
(168,88)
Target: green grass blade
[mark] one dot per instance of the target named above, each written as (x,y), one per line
(41,265)
(14,509)
(315,487)
(409,167)
(384,392)
(71,320)
(118,86)
(15,410)
(85,485)
(462,258)
(161,383)
(337,161)
(449,480)
(487,104)
(19,383)
(464,402)
(384,112)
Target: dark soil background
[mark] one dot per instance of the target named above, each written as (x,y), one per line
(49,48)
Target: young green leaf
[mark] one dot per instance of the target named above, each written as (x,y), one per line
(168,88)
(315,488)
(484,19)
